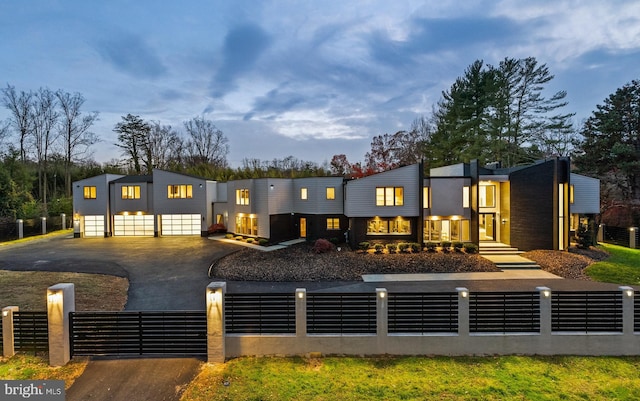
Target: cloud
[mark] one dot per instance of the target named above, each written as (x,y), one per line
(130,54)
(243,45)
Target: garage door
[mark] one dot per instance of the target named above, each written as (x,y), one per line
(181,224)
(94,226)
(133,225)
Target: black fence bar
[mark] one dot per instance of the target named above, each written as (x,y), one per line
(423,313)
(260,313)
(618,235)
(586,311)
(139,333)
(347,313)
(30,331)
(504,312)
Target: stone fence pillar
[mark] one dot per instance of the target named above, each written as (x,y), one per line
(60,302)
(8,340)
(215,322)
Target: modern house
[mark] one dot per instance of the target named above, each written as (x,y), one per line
(529,207)
(163,203)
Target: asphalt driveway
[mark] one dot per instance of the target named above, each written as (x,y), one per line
(168,273)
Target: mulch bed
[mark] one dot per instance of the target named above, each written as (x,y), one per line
(567,264)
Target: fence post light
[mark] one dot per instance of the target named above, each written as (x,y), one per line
(463,311)
(60,302)
(545,310)
(8,339)
(628,309)
(216,351)
(301,312)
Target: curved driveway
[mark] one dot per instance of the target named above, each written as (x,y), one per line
(168,273)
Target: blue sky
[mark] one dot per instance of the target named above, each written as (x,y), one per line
(304,78)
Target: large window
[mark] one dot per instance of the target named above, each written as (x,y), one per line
(303,193)
(246,224)
(179,191)
(389,196)
(131,192)
(242,196)
(454,230)
(425,197)
(465,197)
(331,193)
(394,226)
(89,192)
(333,223)
(487,195)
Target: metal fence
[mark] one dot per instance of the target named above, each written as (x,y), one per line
(260,313)
(33,227)
(30,331)
(623,236)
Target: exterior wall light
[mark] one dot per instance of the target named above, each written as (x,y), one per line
(5,313)
(54,297)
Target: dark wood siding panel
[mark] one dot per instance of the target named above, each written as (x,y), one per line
(532,207)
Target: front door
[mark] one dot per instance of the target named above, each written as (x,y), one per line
(303,227)
(487,227)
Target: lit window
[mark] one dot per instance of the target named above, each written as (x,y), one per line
(571,194)
(447,230)
(425,196)
(389,196)
(303,193)
(179,191)
(487,196)
(242,196)
(246,225)
(465,197)
(333,223)
(397,226)
(89,192)
(331,193)
(131,192)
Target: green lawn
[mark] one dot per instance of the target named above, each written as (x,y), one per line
(622,267)
(420,378)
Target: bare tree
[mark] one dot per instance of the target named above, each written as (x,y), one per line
(206,143)
(162,145)
(74,131)
(44,116)
(19,104)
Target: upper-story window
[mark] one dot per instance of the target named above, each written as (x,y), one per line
(89,192)
(331,193)
(131,192)
(242,196)
(303,193)
(487,196)
(180,191)
(389,196)
(465,197)
(571,194)
(425,197)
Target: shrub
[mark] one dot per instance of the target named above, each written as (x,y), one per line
(229,236)
(458,246)
(470,248)
(250,240)
(216,228)
(415,247)
(431,246)
(263,242)
(364,245)
(378,248)
(391,248)
(334,240)
(322,246)
(403,247)
(584,237)
(446,245)
(239,238)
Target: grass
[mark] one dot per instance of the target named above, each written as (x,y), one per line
(35,367)
(622,267)
(419,378)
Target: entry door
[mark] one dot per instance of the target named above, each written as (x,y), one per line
(487,227)
(303,227)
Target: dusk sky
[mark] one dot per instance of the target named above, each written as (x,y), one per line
(304,78)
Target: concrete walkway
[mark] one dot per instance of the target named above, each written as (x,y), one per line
(269,248)
(511,274)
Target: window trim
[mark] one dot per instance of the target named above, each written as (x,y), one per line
(173,194)
(333,223)
(389,196)
(331,193)
(127,190)
(242,196)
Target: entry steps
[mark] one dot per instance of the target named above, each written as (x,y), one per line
(505,256)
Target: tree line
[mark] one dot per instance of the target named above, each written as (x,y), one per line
(500,113)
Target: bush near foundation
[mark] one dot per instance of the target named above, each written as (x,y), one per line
(322,246)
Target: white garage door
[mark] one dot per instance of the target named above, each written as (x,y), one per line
(133,225)
(181,224)
(94,226)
